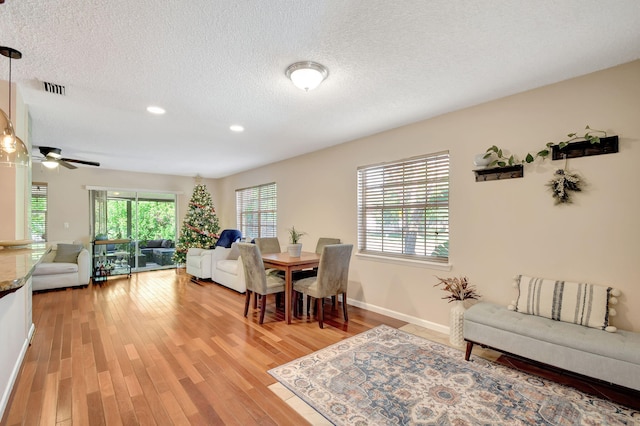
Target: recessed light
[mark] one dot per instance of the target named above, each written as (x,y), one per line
(155,110)
(236,128)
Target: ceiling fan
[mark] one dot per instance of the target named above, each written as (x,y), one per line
(53,157)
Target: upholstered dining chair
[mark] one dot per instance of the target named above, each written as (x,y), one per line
(332,279)
(257,280)
(268,245)
(306,273)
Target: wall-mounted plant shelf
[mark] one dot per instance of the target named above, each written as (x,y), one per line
(607,145)
(499,173)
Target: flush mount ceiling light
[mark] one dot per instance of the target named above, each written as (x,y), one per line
(306,75)
(8,143)
(236,128)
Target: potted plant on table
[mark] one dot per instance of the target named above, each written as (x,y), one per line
(295,247)
(459,290)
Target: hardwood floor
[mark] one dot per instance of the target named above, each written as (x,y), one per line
(158,349)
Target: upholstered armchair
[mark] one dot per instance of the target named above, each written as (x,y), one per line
(332,279)
(200,262)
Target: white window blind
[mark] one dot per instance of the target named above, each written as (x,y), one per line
(39,212)
(403,208)
(256,210)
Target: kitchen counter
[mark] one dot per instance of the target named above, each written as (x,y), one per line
(16,266)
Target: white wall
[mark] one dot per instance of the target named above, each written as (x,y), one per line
(499,228)
(69,199)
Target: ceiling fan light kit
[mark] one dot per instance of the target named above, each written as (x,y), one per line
(307,75)
(53,158)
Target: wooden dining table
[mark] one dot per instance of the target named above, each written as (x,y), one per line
(288,264)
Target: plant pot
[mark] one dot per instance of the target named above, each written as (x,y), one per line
(456,323)
(294,250)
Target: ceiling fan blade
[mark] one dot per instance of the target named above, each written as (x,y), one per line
(64,163)
(86,163)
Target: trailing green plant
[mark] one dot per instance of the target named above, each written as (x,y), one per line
(295,235)
(503,161)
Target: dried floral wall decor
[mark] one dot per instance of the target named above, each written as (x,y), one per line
(563,184)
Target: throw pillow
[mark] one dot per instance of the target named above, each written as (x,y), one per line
(166,243)
(68,253)
(578,303)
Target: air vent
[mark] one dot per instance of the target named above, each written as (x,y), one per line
(56,89)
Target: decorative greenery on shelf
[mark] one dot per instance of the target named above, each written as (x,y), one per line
(458,288)
(501,161)
(295,235)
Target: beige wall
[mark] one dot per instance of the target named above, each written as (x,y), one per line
(500,228)
(69,199)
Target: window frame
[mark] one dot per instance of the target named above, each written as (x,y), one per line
(261,201)
(403,209)
(36,193)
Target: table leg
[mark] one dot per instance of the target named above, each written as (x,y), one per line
(287,295)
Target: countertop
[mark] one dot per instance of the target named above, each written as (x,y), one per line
(16,266)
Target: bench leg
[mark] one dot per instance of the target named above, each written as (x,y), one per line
(467,354)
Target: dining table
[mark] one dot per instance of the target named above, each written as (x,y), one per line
(287,263)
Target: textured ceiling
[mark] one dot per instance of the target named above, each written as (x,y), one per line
(213,63)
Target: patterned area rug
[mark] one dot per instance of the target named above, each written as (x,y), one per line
(387,376)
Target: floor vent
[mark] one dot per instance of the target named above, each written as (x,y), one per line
(56,89)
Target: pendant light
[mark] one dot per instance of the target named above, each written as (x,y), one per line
(9,142)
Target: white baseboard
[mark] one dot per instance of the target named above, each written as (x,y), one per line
(6,394)
(400,316)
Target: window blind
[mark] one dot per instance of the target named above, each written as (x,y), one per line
(403,208)
(39,212)
(256,210)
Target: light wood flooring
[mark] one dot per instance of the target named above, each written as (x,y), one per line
(158,349)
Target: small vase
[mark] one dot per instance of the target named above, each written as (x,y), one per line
(456,323)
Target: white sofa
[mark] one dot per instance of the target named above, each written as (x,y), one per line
(53,273)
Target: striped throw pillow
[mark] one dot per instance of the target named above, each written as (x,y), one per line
(578,303)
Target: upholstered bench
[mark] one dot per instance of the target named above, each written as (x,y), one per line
(613,357)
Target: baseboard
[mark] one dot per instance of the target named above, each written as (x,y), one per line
(6,394)
(399,316)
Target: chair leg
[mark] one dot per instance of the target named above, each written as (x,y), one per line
(263,307)
(320,311)
(246,302)
(344,307)
(308,304)
(255,301)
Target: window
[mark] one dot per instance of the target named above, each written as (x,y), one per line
(39,212)
(403,208)
(257,209)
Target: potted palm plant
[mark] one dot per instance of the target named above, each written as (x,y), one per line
(295,247)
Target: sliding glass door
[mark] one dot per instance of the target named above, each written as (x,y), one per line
(148,219)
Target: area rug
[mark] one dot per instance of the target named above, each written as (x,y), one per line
(387,376)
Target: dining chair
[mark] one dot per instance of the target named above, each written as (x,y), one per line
(257,280)
(312,272)
(268,245)
(332,279)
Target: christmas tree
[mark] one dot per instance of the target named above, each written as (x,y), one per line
(200,226)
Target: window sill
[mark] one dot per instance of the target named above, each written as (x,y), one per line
(407,262)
